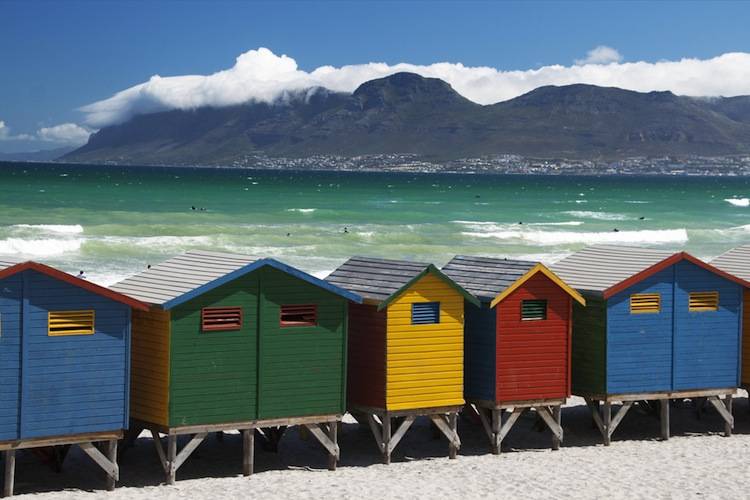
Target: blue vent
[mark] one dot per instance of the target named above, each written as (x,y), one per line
(425,313)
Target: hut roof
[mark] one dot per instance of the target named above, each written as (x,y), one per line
(9,268)
(492,280)
(736,261)
(380,281)
(609,269)
(7,262)
(193,273)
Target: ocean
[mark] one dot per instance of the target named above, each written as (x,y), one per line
(112,221)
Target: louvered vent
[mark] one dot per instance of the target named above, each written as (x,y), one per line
(425,313)
(703,301)
(533,310)
(214,319)
(645,303)
(299,315)
(60,323)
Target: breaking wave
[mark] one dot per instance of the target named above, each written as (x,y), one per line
(738,202)
(547,238)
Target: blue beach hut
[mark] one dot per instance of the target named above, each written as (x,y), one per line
(657,326)
(64,364)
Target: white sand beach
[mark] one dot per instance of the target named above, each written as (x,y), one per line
(696,461)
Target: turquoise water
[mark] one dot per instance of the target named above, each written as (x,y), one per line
(113,221)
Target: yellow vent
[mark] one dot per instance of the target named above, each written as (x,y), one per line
(704,301)
(70,323)
(645,303)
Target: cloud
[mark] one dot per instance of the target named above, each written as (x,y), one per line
(261,75)
(5,134)
(65,133)
(600,55)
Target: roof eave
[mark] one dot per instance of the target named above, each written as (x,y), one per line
(430,269)
(539,268)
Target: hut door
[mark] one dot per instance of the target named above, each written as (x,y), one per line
(11,299)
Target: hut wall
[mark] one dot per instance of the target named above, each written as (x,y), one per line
(366,363)
(301,368)
(639,346)
(149,377)
(589,354)
(11,298)
(479,355)
(532,356)
(75,383)
(706,344)
(425,362)
(746,338)
(213,375)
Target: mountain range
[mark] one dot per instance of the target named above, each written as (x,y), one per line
(409,114)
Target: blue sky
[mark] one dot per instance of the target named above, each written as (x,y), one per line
(59,56)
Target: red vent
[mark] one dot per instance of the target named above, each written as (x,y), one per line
(299,315)
(221,318)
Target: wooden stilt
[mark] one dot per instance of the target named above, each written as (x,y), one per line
(664,418)
(728,425)
(557,417)
(497,440)
(333,436)
(10,472)
(171,459)
(453,424)
(112,457)
(248,451)
(386,424)
(607,422)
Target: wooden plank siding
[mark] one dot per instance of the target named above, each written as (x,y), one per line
(532,356)
(149,377)
(301,368)
(77,383)
(746,338)
(425,362)
(213,375)
(479,352)
(588,363)
(11,297)
(366,363)
(706,343)
(639,346)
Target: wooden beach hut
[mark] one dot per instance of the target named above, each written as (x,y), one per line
(64,364)
(657,326)
(737,262)
(517,342)
(232,342)
(405,347)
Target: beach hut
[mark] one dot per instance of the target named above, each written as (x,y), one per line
(517,342)
(405,347)
(737,262)
(64,364)
(657,326)
(233,342)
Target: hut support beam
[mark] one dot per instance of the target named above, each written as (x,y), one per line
(606,424)
(9,473)
(552,419)
(448,426)
(328,439)
(664,418)
(497,426)
(108,462)
(725,410)
(248,451)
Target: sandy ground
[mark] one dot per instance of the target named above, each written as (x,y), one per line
(696,461)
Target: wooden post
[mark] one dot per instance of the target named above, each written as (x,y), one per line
(664,418)
(332,435)
(248,451)
(112,457)
(10,471)
(727,424)
(171,458)
(497,422)
(557,416)
(386,439)
(453,424)
(607,422)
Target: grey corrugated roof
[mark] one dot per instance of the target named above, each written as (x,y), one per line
(736,261)
(599,267)
(486,277)
(374,279)
(179,275)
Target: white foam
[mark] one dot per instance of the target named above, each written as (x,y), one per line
(637,202)
(546,238)
(738,202)
(587,214)
(302,210)
(53,228)
(39,247)
(566,223)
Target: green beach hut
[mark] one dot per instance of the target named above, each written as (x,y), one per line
(232,342)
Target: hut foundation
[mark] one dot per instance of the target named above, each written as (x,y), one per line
(106,459)
(324,428)
(607,421)
(388,436)
(497,425)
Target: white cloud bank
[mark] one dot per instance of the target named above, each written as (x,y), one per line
(261,75)
(65,133)
(6,135)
